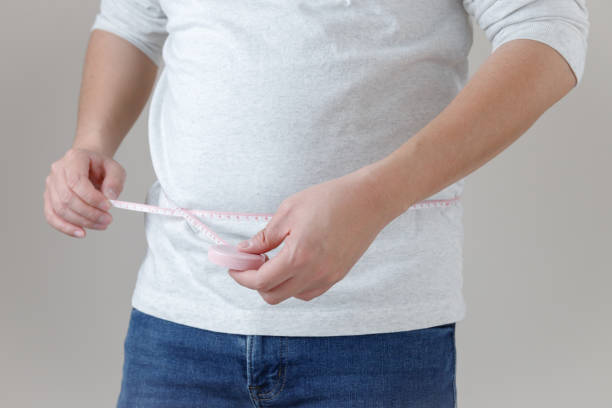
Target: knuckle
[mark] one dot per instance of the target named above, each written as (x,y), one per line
(73,179)
(308,295)
(62,211)
(64,197)
(72,152)
(262,236)
(331,279)
(259,284)
(322,273)
(95,225)
(299,257)
(87,223)
(87,196)
(285,206)
(269,298)
(53,222)
(93,214)
(306,298)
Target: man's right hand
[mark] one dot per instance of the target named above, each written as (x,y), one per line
(77,191)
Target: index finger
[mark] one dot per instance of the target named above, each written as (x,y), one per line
(78,181)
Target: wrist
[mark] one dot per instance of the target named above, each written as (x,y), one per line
(379,181)
(97,144)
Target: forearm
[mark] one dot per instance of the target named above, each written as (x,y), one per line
(511,89)
(116,83)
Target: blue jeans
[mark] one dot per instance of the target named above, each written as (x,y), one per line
(171,365)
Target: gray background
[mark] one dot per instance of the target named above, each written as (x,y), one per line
(537,225)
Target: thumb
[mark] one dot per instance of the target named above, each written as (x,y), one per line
(114,179)
(265,240)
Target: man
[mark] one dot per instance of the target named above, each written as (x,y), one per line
(353,123)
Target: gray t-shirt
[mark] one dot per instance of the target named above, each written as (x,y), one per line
(260,99)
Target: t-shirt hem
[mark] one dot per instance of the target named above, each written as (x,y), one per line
(309,323)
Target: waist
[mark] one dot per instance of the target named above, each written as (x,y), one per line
(161,201)
(209,221)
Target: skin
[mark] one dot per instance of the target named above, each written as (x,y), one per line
(327,227)
(117,81)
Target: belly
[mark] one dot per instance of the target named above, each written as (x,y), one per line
(265,100)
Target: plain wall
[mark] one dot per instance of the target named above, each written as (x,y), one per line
(537,268)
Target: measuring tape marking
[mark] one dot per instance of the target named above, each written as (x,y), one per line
(190,214)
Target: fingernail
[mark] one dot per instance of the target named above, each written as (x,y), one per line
(79,233)
(244,244)
(106,205)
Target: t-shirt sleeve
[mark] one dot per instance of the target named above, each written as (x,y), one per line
(561,24)
(141,22)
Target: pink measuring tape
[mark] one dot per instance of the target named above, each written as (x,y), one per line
(224,254)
